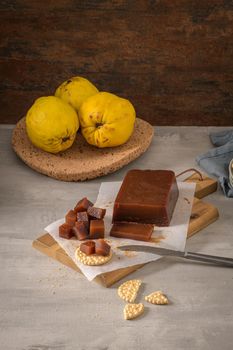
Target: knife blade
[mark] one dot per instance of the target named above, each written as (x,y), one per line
(212,259)
(154,250)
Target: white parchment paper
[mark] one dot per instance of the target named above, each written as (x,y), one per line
(172,237)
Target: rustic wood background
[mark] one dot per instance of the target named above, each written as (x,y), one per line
(172,58)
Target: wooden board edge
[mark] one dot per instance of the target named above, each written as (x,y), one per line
(207,190)
(111,277)
(212,216)
(204,188)
(106,279)
(60,256)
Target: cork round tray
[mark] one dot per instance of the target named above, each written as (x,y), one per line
(82,161)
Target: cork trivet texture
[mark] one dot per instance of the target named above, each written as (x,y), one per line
(82,161)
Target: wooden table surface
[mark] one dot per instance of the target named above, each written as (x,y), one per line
(171,58)
(44,305)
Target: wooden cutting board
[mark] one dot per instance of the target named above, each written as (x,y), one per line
(203,214)
(82,161)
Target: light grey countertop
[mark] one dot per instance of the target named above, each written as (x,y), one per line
(45,305)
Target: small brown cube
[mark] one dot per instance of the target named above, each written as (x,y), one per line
(102,247)
(83,205)
(88,247)
(80,231)
(96,213)
(71,218)
(65,231)
(83,217)
(96,229)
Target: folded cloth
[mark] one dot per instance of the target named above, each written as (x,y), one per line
(220,138)
(216,161)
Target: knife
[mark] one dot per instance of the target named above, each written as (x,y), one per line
(218,260)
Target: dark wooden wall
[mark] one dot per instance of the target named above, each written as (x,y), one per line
(172,58)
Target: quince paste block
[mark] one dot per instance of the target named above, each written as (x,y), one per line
(65,231)
(88,247)
(102,247)
(80,230)
(132,230)
(83,205)
(71,218)
(82,216)
(96,229)
(146,196)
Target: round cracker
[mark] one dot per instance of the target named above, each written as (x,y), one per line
(92,260)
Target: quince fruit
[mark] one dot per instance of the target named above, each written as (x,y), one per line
(106,120)
(51,124)
(75,90)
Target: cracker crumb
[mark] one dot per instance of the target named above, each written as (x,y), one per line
(132,311)
(129,289)
(157,298)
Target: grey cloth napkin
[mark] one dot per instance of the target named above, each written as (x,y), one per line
(216,161)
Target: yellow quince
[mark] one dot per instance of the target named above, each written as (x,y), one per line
(51,124)
(106,120)
(75,90)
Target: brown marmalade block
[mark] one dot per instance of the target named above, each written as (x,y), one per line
(83,205)
(138,232)
(65,231)
(102,247)
(70,218)
(82,216)
(146,196)
(96,229)
(88,247)
(96,213)
(80,231)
